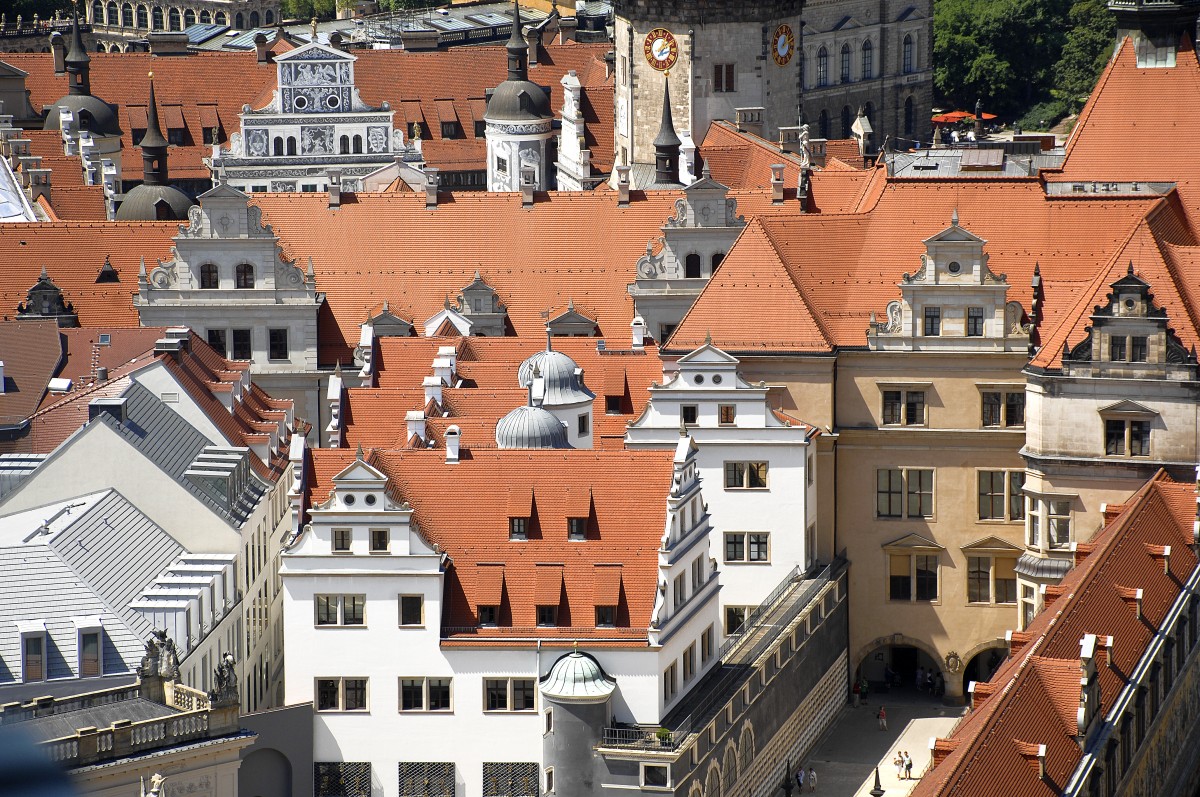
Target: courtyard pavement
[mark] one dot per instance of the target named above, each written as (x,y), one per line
(845,759)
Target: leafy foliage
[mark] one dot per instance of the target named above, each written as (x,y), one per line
(1088,47)
(27,8)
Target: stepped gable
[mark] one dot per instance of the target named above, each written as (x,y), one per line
(629,517)
(863,256)
(988,742)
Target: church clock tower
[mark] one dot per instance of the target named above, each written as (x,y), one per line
(718,55)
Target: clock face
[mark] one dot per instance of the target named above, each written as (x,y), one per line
(784,45)
(662,51)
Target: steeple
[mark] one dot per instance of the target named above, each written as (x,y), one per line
(78,62)
(666,146)
(518,50)
(154,146)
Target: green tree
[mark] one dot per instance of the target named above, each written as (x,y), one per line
(43,8)
(307,9)
(1088,46)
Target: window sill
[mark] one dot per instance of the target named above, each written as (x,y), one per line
(748,489)
(342,553)
(747,562)
(380,553)
(340,626)
(434,711)
(510,711)
(342,711)
(411,625)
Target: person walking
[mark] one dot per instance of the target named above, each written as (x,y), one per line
(899,762)
(882,717)
(812,779)
(800,779)
(907,766)
(921,678)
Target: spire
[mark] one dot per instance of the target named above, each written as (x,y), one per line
(154,146)
(549,346)
(78,62)
(518,50)
(666,146)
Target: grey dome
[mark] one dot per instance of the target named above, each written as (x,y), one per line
(142,204)
(519,101)
(103,117)
(530,427)
(577,677)
(563,387)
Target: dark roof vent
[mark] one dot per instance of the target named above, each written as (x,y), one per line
(112,407)
(107,272)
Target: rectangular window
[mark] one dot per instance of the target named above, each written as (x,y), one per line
(735,618)
(496,694)
(670,682)
(893,402)
(1116,348)
(353,608)
(34,668)
(679,590)
(425,694)
(1006,580)
(689,662)
(888,491)
(327,609)
(735,547)
(758,547)
(745,475)
(341,694)
(340,609)
(726,414)
(919,489)
(450,130)
(547,616)
(1114,437)
(689,414)
(974,322)
(522,691)
(216,339)
(612,405)
(933,321)
(328,690)
(1059,521)
(917,486)
(577,528)
(697,572)
(277,340)
(899,577)
(341,539)
(927,578)
(439,694)
(241,344)
(991,495)
(355,694)
(89,655)
(549,779)
(412,610)
(583,425)
(991,408)
(606,616)
(914,407)
(1034,526)
(1014,409)
(723,78)
(380,540)
(412,694)
(1139,439)
(979,579)
(1137,348)
(706,645)
(517,528)
(502,165)
(488,615)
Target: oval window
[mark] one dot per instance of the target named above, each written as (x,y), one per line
(699,379)
(349,500)
(716,379)
(954,267)
(300,101)
(333,101)
(370,500)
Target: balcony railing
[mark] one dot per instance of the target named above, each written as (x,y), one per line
(648,738)
(89,745)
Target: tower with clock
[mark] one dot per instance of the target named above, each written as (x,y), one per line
(717,55)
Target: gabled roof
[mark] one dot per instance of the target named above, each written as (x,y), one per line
(31,354)
(314,51)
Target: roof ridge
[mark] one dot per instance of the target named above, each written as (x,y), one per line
(1093,99)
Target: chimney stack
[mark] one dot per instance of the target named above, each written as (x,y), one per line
(335,188)
(415,419)
(749,120)
(59,48)
(433,389)
(638,326)
(431,187)
(260,47)
(533,40)
(453,441)
(622,186)
(528,183)
(776,183)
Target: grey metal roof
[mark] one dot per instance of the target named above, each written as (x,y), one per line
(56,726)
(577,677)
(530,427)
(1036,567)
(563,387)
(202,32)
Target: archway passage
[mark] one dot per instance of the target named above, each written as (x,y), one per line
(983,665)
(265,773)
(891,668)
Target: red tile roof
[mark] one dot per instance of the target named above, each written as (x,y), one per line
(463,508)
(31,353)
(988,743)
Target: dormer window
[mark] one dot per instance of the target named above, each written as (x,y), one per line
(380,540)
(518,528)
(1137,349)
(974,321)
(34,658)
(547,616)
(208,276)
(1126,438)
(1117,349)
(576,528)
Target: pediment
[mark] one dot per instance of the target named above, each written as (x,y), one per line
(1127,407)
(447,315)
(847,23)
(359,471)
(993,545)
(706,184)
(8,70)
(314,51)
(955,234)
(224,191)
(708,354)
(913,542)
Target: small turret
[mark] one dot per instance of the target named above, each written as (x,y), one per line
(666,145)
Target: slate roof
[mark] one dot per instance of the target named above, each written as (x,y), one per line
(984,748)
(470,523)
(94,566)
(56,726)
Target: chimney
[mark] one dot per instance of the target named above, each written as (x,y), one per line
(1161,553)
(169,346)
(610,63)
(528,183)
(415,419)
(451,354)
(622,186)
(1016,640)
(433,389)
(101,373)
(638,326)
(1132,597)
(335,188)
(167,43)
(566,29)
(533,40)
(181,334)
(260,47)
(453,441)
(431,187)
(112,407)
(776,183)
(335,40)
(749,120)
(59,48)
(789,140)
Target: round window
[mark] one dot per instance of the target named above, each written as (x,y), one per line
(954,267)
(370,500)
(1129,303)
(300,101)
(716,379)
(349,500)
(333,101)
(699,380)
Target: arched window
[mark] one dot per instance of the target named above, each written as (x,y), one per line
(85,117)
(822,67)
(222,18)
(173,19)
(691,266)
(868,60)
(205,18)
(358,145)
(269,17)
(156,18)
(277,145)
(846,121)
(111,16)
(243,276)
(908,117)
(189,18)
(716,261)
(908,54)
(126,16)
(845,66)
(729,769)
(97,13)
(254,19)
(823,124)
(239,21)
(208,276)
(143,18)
(713,787)
(100,47)
(345,145)
(291,145)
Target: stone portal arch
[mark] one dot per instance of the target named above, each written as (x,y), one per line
(977,663)
(866,664)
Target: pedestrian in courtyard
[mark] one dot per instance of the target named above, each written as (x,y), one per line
(812,779)
(907,766)
(929,681)
(921,678)
(882,717)
(800,779)
(854,693)
(899,762)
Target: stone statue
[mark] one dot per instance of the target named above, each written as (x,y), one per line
(149,664)
(805,154)
(227,682)
(156,784)
(161,658)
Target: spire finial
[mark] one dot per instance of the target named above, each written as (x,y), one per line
(576,646)
(954,217)
(337,369)
(1130,271)
(154,146)
(518,49)
(77,61)
(359,453)
(45,274)
(549,337)
(667,144)
(141,267)
(708,338)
